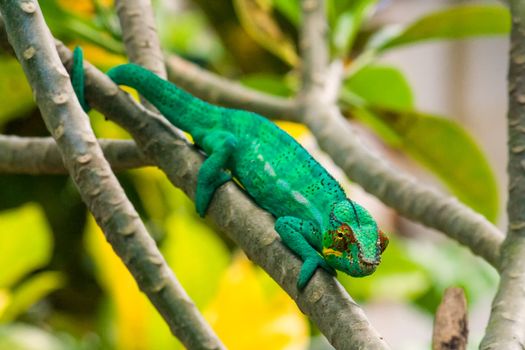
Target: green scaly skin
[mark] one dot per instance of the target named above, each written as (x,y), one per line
(314,217)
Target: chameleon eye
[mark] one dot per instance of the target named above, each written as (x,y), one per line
(344,231)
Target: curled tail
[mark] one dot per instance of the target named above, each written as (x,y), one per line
(77,77)
(177,105)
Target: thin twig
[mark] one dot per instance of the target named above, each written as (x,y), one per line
(314,49)
(400,191)
(506,328)
(140,37)
(40,155)
(218,90)
(139,33)
(98,186)
(324,300)
(315,66)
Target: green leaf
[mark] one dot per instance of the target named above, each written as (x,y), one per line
(256,18)
(334,8)
(440,261)
(447,150)
(26,242)
(15,89)
(381,97)
(378,85)
(382,86)
(348,18)
(186,33)
(290,9)
(457,22)
(31,291)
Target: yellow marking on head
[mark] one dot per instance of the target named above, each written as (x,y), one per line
(330,251)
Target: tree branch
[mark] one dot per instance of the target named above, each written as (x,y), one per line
(401,191)
(140,34)
(40,155)
(314,50)
(140,37)
(218,90)
(506,328)
(324,300)
(396,189)
(98,186)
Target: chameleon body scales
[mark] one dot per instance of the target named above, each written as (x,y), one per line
(314,217)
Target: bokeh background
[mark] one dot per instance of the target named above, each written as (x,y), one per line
(435,108)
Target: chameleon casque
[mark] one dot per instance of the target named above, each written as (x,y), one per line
(314,217)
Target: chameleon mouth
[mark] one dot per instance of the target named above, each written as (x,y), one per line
(368,267)
(368,263)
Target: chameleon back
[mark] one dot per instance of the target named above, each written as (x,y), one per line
(278,172)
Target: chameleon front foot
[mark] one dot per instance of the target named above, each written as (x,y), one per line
(308,269)
(293,232)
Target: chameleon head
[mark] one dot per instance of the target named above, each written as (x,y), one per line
(353,243)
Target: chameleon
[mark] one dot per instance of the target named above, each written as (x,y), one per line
(313,216)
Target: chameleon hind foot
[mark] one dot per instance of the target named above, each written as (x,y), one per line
(219,146)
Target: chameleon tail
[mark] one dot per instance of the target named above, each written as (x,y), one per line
(77,77)
(178,106)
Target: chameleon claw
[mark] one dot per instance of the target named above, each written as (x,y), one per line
(205,192)
(311,264)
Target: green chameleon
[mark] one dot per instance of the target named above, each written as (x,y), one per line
(314,217)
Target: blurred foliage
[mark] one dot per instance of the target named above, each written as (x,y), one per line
(438,143)
(26,243)
(61,286)
(15,89)
(457,22)
(256,18)
(409,272)
(67,24)
(249,308)
(346,18)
